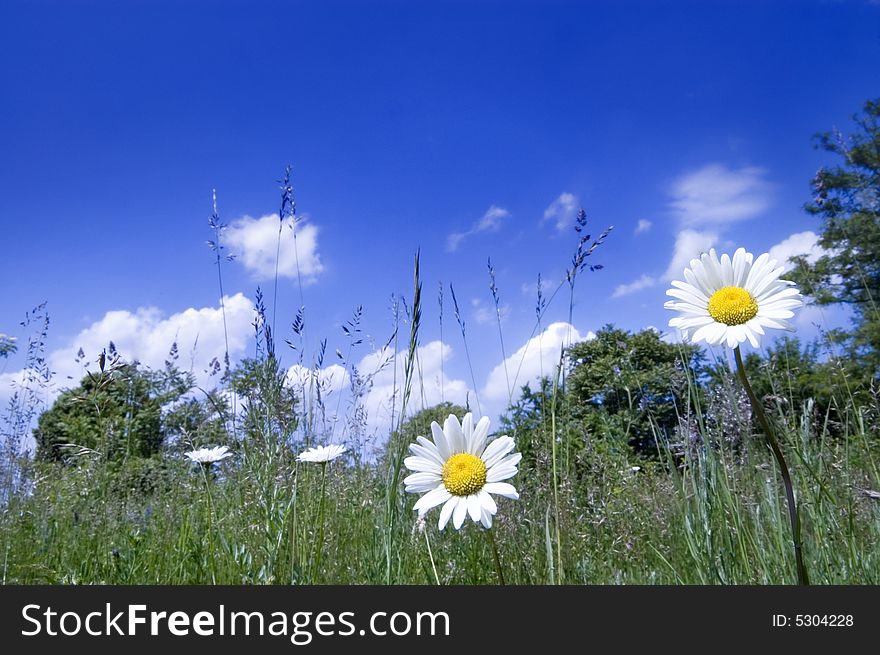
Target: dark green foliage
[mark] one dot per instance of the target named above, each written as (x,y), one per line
(269,404)
(527,419)
(197,422)
(847,199)
(116,413)
(630,386)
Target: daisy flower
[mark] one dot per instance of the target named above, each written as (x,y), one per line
(732,300)
(208,455)
(321,454)
(459,471)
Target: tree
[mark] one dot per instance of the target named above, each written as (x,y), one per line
(847,198)
(627,386)
(116,412)
(7,345)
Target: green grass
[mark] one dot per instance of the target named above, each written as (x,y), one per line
(590,510)
(719,519)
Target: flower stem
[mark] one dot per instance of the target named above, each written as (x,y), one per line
(794,519)
(319,542)
(431,557)
(491,536)
(296,481)
(205,466)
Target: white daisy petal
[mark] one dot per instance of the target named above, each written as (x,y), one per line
(487,502)
(704,332)
(452,430)
(478,439)
(441,441)
(486,519)
(422,464)
(496,450)
(740,266)
(690,322)
(504,469)
(751,337)
(687,297)
(726,270)
(435,497)
(418,482)
(474,507)
(689,288)
(446,512)
(431,454)
(755,326)
(504,489)
(696,282)
(467,429)
(459,513)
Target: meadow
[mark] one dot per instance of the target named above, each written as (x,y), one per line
(643,460)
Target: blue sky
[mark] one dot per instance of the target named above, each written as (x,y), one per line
(684,125)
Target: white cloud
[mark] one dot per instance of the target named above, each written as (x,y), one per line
(562,211)
(705,201)
(688,244)
(429,386)
(643,226)
(644,282)
(254,242)
(716,195)
(146,335)
(537,357)
(488,222)
(485,314)
(330,379)
(800,243)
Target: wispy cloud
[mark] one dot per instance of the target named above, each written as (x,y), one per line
(147,335)
(643,226)
(800,243)
(562,211)
(254,242)
(531,288)
(489,222)
(716,195)
(485,314)
(643,282)
(535,358)
(688,244)
(704,203)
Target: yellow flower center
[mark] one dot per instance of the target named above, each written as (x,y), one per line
(732,306)
(464,474)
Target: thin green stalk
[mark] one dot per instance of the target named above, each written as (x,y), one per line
(555,472)
(319,542)
(794,518)
(293,503)
(498,570)
(204,467)
(431,557)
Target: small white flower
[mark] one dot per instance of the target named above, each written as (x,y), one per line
(459,470)
(732,300)
(208,455)
(321,453)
